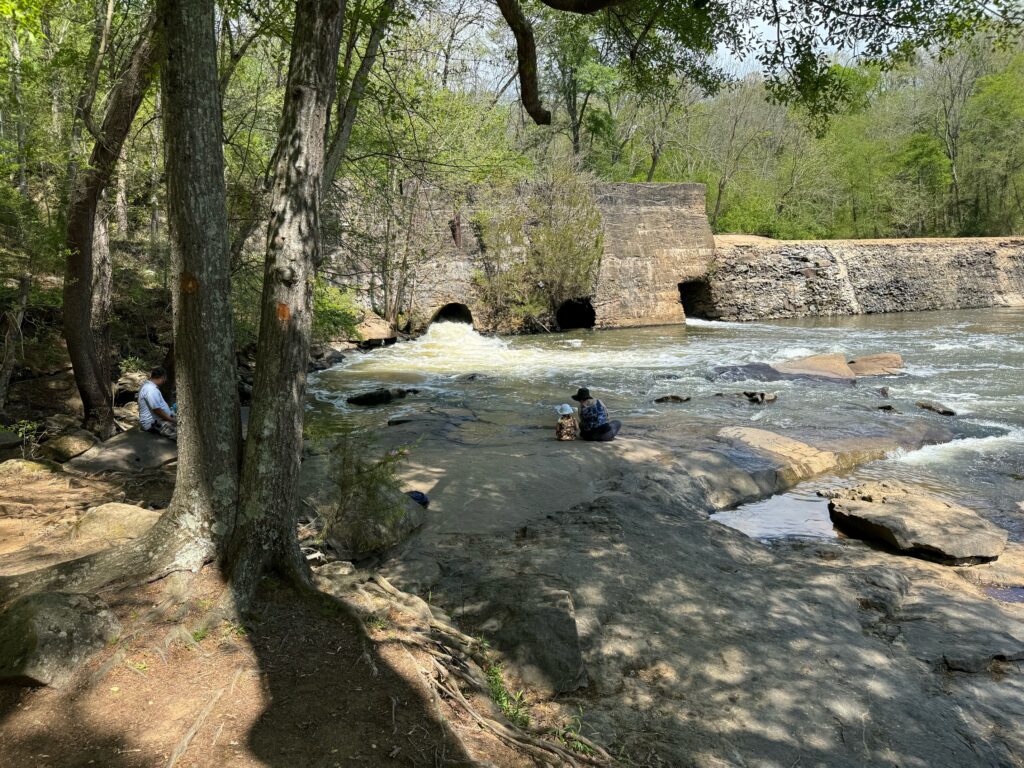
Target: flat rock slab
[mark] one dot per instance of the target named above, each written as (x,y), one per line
(534,625)
(916,523)
(1005,571)
(44,638)
(827,366)
(883,364)
(130,451)
(830,368)
(960,632)
(114,522)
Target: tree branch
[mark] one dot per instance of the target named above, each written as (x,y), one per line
(582,6)
(526,52)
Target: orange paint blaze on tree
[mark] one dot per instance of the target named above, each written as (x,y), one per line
(189,283)
(283,312)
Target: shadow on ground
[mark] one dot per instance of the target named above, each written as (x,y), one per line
(299,685)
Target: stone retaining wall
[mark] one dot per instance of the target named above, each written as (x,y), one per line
(756,278)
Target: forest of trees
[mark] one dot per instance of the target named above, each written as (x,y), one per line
(214,153)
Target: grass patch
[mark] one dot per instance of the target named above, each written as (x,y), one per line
(512,705)
(570,735)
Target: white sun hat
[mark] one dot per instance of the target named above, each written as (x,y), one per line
(564,409)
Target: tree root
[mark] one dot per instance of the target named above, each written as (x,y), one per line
(167,547)
(448,649)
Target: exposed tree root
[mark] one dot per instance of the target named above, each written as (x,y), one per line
(449,650)
(169,546)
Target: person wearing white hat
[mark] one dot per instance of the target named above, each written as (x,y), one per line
(567,428)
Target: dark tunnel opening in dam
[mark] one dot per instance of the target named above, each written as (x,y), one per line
(453,313)
(575,314)
(695,296)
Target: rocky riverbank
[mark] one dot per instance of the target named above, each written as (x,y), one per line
(596,571)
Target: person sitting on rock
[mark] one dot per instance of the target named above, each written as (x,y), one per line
(567,428)
(594,423)
(154,414)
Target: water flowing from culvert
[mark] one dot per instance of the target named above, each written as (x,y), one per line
(971,360)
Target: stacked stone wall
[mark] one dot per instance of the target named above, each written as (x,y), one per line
(756,278)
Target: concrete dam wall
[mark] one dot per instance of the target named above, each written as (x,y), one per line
(654,236)
(756,278)
(661,263)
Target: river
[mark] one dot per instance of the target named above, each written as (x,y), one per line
(969,360)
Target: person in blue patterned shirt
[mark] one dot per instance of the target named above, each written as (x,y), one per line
(594,422)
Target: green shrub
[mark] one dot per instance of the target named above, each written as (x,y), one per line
(365,495)
(541,246)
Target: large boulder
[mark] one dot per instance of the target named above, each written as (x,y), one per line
(69,445)
(44,638)
(25,467)
(882,364)
(130,451)
(114,522)
(9,439)
(374,331)
(127,388)
(916,523)
(324,356)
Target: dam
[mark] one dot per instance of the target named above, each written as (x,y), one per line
(660,263)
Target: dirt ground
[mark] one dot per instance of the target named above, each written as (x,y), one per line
(306,681)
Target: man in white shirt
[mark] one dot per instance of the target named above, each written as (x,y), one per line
(154,414)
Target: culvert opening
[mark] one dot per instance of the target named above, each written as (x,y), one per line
(695,296)
(576,313)
(453,313)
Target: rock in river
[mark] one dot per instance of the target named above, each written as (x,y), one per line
(380,396)
(883,364)
(916,523)
(938,408)
(823,366)
(673,399)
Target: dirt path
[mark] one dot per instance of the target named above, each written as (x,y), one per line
(301,684)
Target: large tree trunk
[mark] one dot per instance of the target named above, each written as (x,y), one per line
(209,432)
(265,536)
(92,371)
(202,510)
(102,287)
